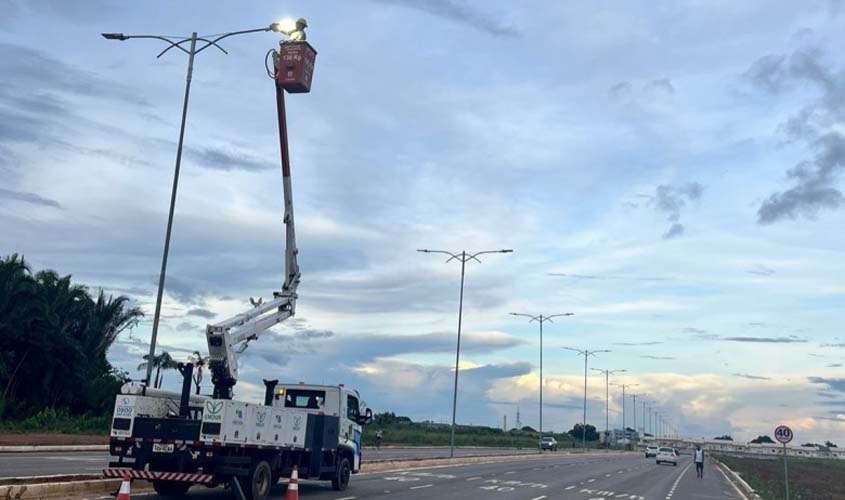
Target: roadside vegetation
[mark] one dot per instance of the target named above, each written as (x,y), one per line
(54,335)
(809,479)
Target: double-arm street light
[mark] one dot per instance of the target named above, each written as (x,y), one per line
(586,353)
(463,257)
(540,319)
(191,51)
(607,374)
(624,428)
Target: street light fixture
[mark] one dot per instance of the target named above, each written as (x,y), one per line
(463,257)
(209,41)
(607,374)
(540,319)
(586,353)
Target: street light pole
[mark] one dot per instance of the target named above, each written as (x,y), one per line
(191,52)
(463,257)
(624,427)
(607,374)
(541,319)
(586,353)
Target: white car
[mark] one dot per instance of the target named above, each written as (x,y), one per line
(667,456)
(650,451)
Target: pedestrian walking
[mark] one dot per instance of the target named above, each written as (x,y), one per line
(699,462)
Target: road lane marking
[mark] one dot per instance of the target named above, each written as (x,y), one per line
(591,480)
(473,478)
(539,498)
(510,472)
(422,486)
(677,481)
(569,488)
(345,498)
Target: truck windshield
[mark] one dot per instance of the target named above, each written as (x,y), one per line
(303,398)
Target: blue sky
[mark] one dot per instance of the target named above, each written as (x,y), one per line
(670,172)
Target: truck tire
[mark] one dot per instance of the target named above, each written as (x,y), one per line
(171,488)
(258,481)
(340,481)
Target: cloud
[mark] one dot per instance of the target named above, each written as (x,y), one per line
(756,324)
(632,344)
(460,11)
(767,340)
(202,313)
(608,277)
(750,377)
(833,384)
(834,365)
(661,84)
(817,124)
(620,90)
(31,198)
(670,200)
(697,331)
(216,158)
(760,270)
(659,358)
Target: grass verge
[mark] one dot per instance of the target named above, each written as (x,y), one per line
(809,479)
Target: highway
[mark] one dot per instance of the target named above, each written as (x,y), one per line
(48,463)
(567,477)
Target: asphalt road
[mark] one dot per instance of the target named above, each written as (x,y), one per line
(567,477)
(47,463)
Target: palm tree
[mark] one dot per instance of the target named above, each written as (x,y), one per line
(163,361)
(199,362)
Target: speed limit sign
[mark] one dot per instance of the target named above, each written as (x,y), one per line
(783,434)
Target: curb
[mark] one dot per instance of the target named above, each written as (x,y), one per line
(743,488)
(64,489)
(54,448)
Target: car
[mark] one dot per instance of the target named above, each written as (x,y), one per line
(650,451)
(666,456)
(548,443)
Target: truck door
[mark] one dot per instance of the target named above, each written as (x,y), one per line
(351,429)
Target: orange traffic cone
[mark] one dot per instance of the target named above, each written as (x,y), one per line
(123,493)
(293,486)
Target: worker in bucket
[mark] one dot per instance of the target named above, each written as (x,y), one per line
(297,34)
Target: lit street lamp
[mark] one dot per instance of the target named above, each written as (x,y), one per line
(206,42)
(540,319)
(607,374)
(463,257)
(586,354)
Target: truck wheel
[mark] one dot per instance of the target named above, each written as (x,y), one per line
(171,488)
(259,482)
(341,475)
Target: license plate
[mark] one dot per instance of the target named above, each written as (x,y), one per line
(162,448)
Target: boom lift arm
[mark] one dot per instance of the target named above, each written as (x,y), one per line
(228,338)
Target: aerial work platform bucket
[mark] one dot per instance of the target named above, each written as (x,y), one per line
(296,66)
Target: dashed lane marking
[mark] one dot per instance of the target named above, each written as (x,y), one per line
(569,488)
(473,478)
(677,481)
(345,498)
(421,486)
(539,498)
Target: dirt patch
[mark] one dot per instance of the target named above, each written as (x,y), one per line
(809,479)
(43,439)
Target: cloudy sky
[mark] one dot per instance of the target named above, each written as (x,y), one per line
(670,172)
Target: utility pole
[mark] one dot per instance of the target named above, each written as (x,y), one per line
(463,257)
(586,354)
(624,427)
(176,42)
(540,319)
(607,374)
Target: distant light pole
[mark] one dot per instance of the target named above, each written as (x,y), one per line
(624,427)
(607,374)
(463,257)
(210,41)
(586,353)
(541,319)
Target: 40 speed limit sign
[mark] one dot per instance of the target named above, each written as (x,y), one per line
(783,434)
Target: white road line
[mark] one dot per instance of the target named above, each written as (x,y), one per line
(473,478)
(344,498)
(539,498)
(423,486)
(680,476)
(591,480)
(569,488)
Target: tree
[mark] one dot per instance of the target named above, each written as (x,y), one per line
(54,337)
(163,361)
(830,444)
(762,439)
(199,361)
(726,437)
(577,432)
